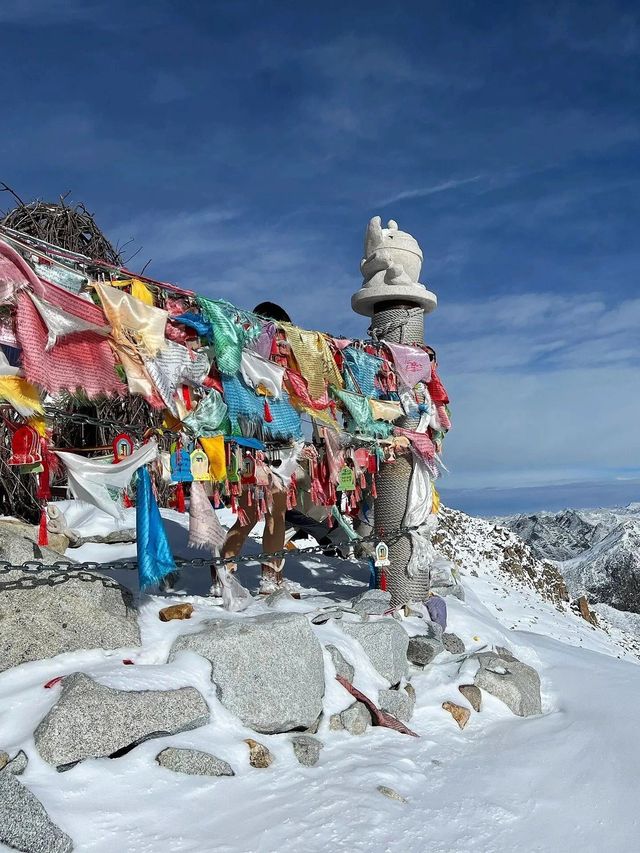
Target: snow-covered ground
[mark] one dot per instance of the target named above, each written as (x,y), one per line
(566,780)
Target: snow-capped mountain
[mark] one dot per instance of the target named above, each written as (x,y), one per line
(597,551)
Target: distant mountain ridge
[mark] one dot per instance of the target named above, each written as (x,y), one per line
(597,551)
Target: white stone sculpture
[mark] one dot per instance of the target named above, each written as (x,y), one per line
(390,269)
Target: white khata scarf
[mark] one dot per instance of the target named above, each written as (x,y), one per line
(205,530)
(59,323)
(89,478)
(258,371)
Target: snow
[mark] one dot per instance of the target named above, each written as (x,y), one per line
(566,780)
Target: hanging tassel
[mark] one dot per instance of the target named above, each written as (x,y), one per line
(127,503)
(43,533)
(233,505)
(180,504)
(186,393)
(383,580)
(267,412)
(372,574)
(249,497)
(243,518)
(374,491)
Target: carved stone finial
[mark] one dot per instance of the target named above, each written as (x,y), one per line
(390,269)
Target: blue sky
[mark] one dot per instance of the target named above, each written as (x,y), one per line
(243,146)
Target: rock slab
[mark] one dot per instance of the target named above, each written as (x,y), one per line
(452,643)
(423,649)
(356,718)
(307,749)
(385,643)
(373,602)
(24,822)
(193,762)
(399,703)
(268,669)
(511,681)
(342,666)
(91,720)
(54,611)
(472,694)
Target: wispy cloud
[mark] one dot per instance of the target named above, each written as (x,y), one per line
(423,192)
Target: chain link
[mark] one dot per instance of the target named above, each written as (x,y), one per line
(79,418)
(61,571)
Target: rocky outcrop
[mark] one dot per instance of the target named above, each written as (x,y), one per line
(268,669)
(51,611)
(90,720)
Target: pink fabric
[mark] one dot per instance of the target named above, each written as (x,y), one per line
(300,390)
(420,442)
(412,364)
(84,360)
(16,270)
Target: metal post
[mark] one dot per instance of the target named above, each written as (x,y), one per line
(395,300)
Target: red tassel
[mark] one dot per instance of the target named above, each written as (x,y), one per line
(180,505)
(186,393)
(249,497)
(243,519)
(374,491)
(233,505)
(43,533)
(127,503)
(267,412)
(383,580)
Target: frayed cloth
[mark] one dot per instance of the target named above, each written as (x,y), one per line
(133,319)
(244,404)
(412,364)
(314,358)
(258,371)
(60,324)
(358,408)
(209,418)
(231,331)
(205,530)
(363,368)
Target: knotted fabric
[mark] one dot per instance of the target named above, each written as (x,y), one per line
(412,364)
(133,319)
(205,530)
(59,323)
(209,417)
(363,368)
(155,560)
(259,371)
(315,359)
(89,478)
(420,442)
(82,360)
(243,403)
(231,330)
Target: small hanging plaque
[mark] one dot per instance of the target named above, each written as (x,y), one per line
(382,555)
(181,467)
(122,447)
(347,480)
(200,465)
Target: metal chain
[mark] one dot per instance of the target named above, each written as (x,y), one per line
(78,418)
(60,571)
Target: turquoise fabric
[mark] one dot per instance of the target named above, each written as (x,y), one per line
(231,330)
(360,413)
(243,402)
(155,560)
(363,368)
(210,416)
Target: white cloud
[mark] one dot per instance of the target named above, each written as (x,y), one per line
(423,192)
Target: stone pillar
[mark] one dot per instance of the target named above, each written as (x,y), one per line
(396,301)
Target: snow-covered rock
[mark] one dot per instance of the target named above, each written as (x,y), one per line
(55,611)
(385,643)
(268,669)
(511,681)
(90,720)
(24,822)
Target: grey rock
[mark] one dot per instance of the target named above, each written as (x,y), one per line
(342,666)
(356,718)
(399,703)
(472,694)
(455,589)
(268,669)
(91,720)
(19,544)
(24,822)
(307,749)
(433,630)
(280,596)
(452,643)
(335,723)
(54,611)
(423,649)
(511,681)
(193,762)
(373,602)
(17,765)
(505,654)
(385,643)
(393,795)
